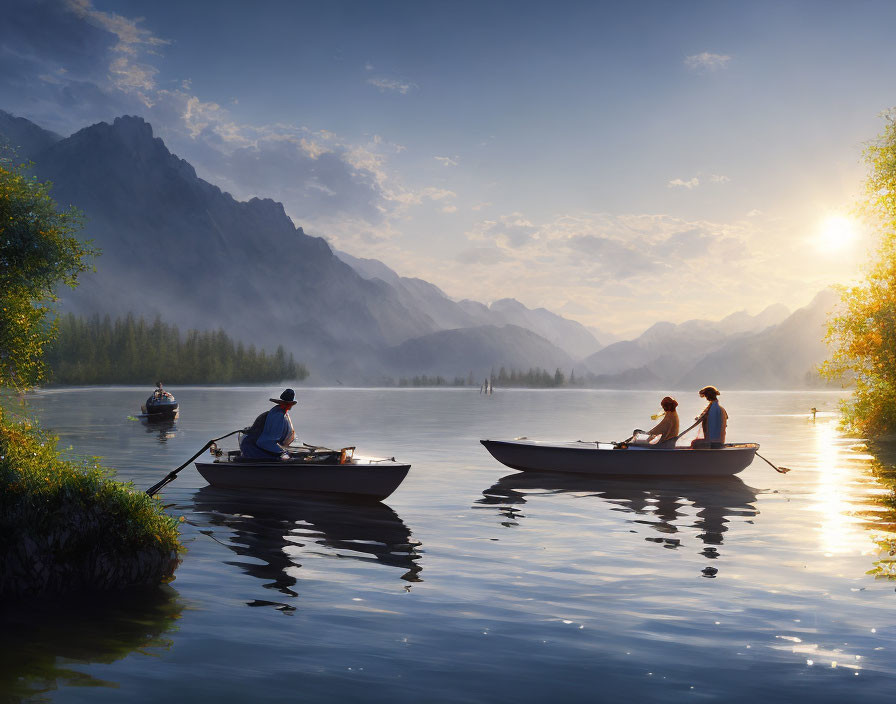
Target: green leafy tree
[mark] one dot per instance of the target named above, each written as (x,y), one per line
(863,331)
(39,250)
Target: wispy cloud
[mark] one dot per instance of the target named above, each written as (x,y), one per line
(695,182)
(707,61)
(447,160)
(127,70)
(690,184)
(392,85)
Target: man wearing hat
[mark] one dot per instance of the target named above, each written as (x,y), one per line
(272,431)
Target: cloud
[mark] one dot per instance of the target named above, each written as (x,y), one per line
(707,61)
(392,85)
(479,206)
(511,231)
(694,182)
(690,184)
(449,208)
(447,160)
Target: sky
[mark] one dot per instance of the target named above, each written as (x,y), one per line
(618,163)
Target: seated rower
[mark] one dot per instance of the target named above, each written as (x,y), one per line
(714,421)
(664,433)
(272,431)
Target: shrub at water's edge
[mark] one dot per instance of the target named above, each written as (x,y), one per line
(863,333)
(65,526)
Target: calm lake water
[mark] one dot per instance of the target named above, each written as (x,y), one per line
(475,583)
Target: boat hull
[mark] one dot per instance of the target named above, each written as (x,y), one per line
(374,481)
(589,458)
(160,410)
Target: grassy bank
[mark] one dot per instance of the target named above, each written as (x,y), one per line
(67,526)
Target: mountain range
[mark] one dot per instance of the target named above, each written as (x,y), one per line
(177,246)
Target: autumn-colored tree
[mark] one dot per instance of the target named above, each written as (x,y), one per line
(39,250)
(863,332)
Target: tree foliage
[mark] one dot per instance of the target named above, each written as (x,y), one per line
(130,350)
(863,332)
(39,250)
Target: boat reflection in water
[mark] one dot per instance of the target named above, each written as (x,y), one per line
(166,428)
(269,528)
(661,503)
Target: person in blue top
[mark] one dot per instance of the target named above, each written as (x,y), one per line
(714,419)
(272,431)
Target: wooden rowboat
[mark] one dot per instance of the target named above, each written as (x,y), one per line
(605,459)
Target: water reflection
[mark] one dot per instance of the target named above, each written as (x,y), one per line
(660,503)
(165,429)
(269,528)
(43,643)
(881,459)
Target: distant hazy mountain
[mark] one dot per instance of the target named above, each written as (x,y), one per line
(665,349)
(567,334)
(698,352)
(572,337)
(478,350)
(742,321)
(781,357)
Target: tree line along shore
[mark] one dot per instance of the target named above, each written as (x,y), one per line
(131,350)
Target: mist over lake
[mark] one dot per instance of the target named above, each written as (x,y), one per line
(532,586)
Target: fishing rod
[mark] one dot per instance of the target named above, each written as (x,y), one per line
(172,475)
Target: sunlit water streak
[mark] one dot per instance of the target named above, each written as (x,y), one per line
(478,584)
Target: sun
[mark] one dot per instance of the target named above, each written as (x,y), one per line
(836,233)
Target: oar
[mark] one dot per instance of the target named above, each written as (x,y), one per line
(172,475)
(782,470)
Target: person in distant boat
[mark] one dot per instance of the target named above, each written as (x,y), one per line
(272,431)
(664,433)
(160,393)
(714,420)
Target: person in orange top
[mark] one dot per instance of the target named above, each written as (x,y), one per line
(664,433)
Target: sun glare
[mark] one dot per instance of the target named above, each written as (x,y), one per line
(836,233)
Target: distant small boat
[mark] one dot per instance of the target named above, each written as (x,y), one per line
(160,406)
(330,472)
(604,459)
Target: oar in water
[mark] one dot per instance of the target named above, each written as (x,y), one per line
(782,470)
(172,475)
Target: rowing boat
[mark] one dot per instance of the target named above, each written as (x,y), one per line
(607,459)
(314,472)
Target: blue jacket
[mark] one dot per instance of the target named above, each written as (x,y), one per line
(277,428)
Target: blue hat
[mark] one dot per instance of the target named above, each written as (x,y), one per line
(288,396)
